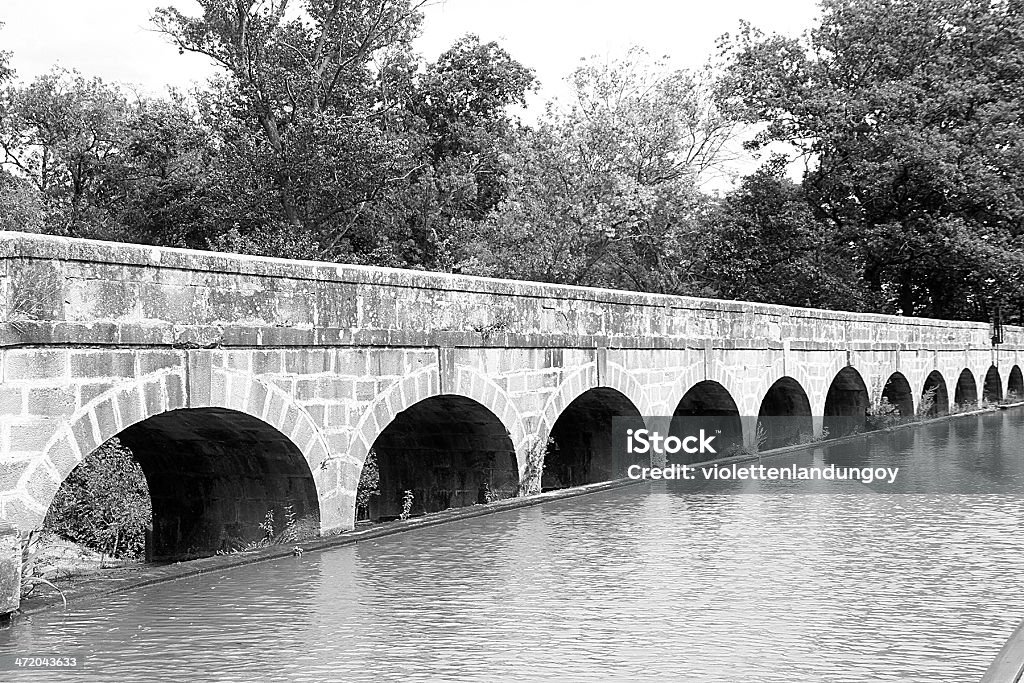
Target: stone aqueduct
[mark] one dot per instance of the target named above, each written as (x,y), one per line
(246,383)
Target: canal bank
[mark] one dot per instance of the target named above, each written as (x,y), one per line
(113,581)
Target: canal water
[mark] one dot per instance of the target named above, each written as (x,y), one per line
(744,581)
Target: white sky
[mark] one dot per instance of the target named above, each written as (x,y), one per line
(113,39)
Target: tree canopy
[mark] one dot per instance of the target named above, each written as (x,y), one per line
(912,114)
(326,136)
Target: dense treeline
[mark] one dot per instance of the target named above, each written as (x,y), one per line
(326,137)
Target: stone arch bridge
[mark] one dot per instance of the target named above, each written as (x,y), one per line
(246,384)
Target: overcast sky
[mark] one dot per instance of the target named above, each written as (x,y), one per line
(113,39)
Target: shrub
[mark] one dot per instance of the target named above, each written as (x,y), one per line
(104,504)
(882,414)
(369,485)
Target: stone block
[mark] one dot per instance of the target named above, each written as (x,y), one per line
(51,401)
(103,364)
(151,361)
(11,402)
(32,435)
(11,472)
(267,362)
(42,487)
(89,392)
(200,378)
(130,406)
(102,300)
(175,387)
(10,568)
(106,418)
(153,395)
(29,364)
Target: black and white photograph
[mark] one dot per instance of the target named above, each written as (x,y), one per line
(358,341)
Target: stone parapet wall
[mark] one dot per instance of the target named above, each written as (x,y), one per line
(65,291)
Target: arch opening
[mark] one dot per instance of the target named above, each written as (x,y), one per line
(934,396)
(718,414)
(993,389)
(784,417)
(898,394)
(445,451)
(966,393)
(581,447)
(846,404)
(218,479)
(1015,386)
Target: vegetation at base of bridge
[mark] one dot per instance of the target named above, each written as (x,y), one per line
(104,504)
(326,136)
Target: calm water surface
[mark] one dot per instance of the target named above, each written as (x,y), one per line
(649,582)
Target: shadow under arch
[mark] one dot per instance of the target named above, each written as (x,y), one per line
(1015,385)
(254,426)
(582,447)
(846,403)
(934,396)
(214,474)
(784,417)
(897,393)
(446,451)
(993,388)
(966,392)
(718,414)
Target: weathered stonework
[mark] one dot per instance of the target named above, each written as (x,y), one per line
(97,337)
(10,568)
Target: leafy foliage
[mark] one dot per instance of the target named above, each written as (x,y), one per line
(104,503)
(604,192)
(326,137)
(911,114)
(369,483)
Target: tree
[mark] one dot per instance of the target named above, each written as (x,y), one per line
(909,113)
(81,158)
(6,72)
(306,104)
(765,244)
(62,133)
(606,191)
(458,119)
(104,503)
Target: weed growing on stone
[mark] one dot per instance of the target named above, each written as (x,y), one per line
(31,577)
(530,483)
(406,505)
(927,407)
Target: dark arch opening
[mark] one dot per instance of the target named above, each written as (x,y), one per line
(897,393)
(966,393)
(582,448)
(218,480)
(444,452)
(1015,387)
(846,403)
(993,390)
(785,415)
(934,396)
(717,412)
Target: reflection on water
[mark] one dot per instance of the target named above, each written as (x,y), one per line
(651,581)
